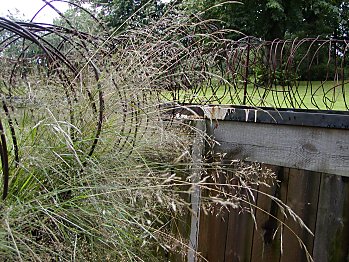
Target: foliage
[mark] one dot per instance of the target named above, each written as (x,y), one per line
(271,19)
(80,19)
(116,12)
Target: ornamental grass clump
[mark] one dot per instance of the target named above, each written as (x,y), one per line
(94,167)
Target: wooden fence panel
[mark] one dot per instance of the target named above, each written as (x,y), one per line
(302,198)
(239,235)
(214,230)
(266,241)
(332,226)
(226,233)
(320,200)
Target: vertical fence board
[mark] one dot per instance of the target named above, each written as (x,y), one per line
(302,198)
(239,235)
(266,242)
(213,231)
(332,227)
(216,235)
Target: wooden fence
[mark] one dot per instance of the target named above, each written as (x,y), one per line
(322,202)
(312,164)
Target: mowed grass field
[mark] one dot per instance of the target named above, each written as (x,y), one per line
(329,95)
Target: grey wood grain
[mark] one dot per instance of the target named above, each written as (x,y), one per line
(308,148)
(331,242)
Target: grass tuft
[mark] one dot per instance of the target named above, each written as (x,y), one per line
(96,171)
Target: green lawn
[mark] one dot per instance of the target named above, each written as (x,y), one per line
(327,95)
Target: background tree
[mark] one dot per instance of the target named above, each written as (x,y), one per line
(116,12)
(271,19)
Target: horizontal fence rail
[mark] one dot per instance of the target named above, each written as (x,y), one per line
(299,74)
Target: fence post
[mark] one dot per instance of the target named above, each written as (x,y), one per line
(195,196)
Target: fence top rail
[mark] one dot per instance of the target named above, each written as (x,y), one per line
(293,117)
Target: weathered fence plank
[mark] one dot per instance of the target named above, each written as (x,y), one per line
(239,235)
(332,228)
(266,241)
(307,148)
(302,198)
(214,229)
